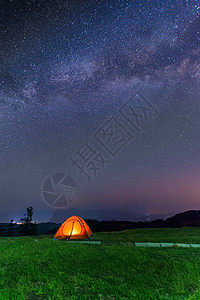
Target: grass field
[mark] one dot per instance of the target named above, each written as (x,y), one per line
(42,268)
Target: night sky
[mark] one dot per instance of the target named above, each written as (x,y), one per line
(66,69)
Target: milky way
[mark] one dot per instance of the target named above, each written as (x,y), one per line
(66,66)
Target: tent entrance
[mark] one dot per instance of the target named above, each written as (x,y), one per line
(72,227)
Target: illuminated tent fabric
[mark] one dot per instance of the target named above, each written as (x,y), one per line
(73,228)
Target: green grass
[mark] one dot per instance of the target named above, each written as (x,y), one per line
(42,268)
(172,235)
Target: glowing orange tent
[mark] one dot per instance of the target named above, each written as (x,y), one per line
(73,228)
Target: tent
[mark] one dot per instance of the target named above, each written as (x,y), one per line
(73,228)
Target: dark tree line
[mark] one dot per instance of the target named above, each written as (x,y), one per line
(27,226)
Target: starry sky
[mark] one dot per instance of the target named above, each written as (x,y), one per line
(66,68)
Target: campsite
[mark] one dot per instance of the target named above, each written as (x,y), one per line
(38,267)
(100,150)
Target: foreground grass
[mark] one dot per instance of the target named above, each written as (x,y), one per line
(169,235)
(41,268)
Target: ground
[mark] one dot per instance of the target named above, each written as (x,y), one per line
(42,268)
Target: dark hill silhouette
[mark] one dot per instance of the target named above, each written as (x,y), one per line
(190,218)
